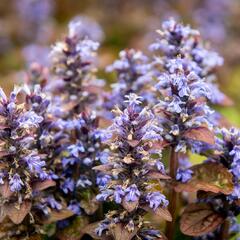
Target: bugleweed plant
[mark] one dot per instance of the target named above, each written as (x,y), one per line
(78,161)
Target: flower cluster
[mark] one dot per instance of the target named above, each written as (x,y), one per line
(84,150)
(73,63)
(22,163)
(25,175)
(134,172)
(179,41)
(182,108)
(133,70)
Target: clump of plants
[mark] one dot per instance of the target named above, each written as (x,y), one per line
(80,161)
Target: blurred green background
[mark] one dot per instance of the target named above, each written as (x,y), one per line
(125,23)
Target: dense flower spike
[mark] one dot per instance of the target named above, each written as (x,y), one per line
(179,41)
(182,109)
(24,173)
(133,169)
(74,133)
(133,72)
(22,163)
(78,181)
(73,61)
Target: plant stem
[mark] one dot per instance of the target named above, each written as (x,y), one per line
(224,230)
(173,196)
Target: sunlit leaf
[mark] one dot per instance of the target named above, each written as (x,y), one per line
(201,134)
(161,212)
(210,177)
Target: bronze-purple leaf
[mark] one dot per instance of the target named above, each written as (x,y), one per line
(212,177)
(58,215)
(133,143)
(4,153)
(5,190)
(103,168)
(154,175)
(39,186)
(199,219)
(202,134)
(17,214)
(161,212)
(2,213)
(120,232)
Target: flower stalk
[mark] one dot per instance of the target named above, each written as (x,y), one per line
(173,196)
(224,232)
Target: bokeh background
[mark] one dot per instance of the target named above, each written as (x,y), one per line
(29,27)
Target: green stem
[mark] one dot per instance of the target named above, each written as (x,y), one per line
(224,230)
(173,196)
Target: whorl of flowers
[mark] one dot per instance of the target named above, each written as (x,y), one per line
(24,170)
(179,41)
(73,62)
(182,108)
(133,72)
(22,163)
(78,182)
(134,172)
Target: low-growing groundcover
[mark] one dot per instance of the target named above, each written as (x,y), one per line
(81,162)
